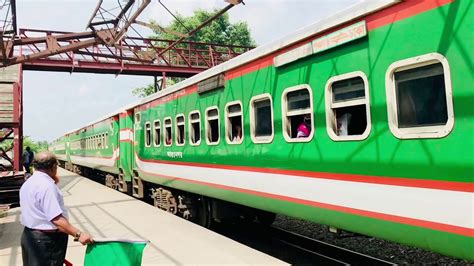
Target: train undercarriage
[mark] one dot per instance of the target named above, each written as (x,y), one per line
(198,209)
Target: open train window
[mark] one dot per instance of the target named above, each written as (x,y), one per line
(348,107)
(195,128)
(212,125)
(261,118)
(419,97)
(297,110)
(168,137)
(234,123)
(157,131)
(147,134)
(180,134)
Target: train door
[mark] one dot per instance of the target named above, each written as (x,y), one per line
(126,143)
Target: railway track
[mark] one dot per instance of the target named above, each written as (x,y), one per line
(294,248)
(323,252)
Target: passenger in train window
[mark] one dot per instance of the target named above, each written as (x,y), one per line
(343,124)
(237,134)
(304,129)
(168,139)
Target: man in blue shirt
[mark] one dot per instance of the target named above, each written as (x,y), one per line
(44,239)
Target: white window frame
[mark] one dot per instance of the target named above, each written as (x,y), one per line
(218,126)
(424,131)
(176,129)
(284,112)
(228,127)
(330,117)
(260,139)
(164,124)
(191,130)
(154,132)
(147,125)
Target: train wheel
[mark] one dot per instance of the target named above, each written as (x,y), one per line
(265,218)
(111,182)
(204,213)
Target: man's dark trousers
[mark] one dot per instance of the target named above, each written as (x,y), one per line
(43,248)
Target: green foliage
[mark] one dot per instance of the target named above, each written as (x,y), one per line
(27,142)
(144,91)
(35,146)
(219,31)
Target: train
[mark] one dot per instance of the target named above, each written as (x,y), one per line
(362,121)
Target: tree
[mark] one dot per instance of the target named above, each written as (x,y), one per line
(219,31)
(37,146)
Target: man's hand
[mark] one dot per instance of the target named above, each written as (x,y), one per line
(85,238)
(64,226)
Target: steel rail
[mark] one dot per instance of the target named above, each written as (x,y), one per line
(337,255)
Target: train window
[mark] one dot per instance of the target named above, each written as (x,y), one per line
(137,118)
(234,123)
(157,135)
(419,97)
(348,107)
(195,128)
(261,118)
(180,134)
(168,137)
(147,134)
(212,126)
(106,139)
(297,110)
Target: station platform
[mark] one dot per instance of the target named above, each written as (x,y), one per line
(106,213)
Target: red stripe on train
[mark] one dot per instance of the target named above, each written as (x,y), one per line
(394,181)
(380,216)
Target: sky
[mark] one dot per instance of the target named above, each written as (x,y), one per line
(55,102)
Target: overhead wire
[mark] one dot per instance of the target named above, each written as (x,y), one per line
(175,17)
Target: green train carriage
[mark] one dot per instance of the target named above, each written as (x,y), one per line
(385,90)
(94,147)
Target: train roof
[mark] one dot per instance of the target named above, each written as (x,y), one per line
(351,13)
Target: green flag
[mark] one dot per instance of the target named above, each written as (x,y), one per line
(121,252)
